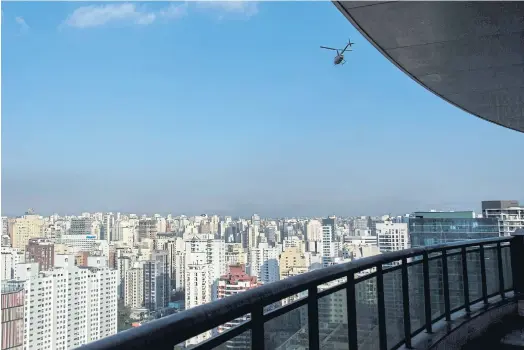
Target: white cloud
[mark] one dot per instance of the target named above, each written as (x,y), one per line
(174,11)
(99,15)
(23,25)
(147,18)
(246,9)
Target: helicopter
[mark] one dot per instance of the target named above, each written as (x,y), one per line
(339,58)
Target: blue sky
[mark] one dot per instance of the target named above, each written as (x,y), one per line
(228,108)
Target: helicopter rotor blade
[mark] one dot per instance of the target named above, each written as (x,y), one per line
(328,48)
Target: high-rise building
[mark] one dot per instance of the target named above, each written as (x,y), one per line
(263,263)
(124,231)
(147,228)
(272,233)
(430,228)
(204,228)
(314,231)
(235,254)
(24,228)
(211,252)
(180,271)
(156,281)
(12,315)
(81,226)
(42,251)
(392,236)
(5,225)
(362,223)
(68,306)
(252,236)
(174,247)
(107,229)
(509,214)
(9,257)
(328,251)
(234,282)
(87,243)
(331,222)
(134,288)
(291,258)
(198,291)
(204,265)
(161,224)
(123,264)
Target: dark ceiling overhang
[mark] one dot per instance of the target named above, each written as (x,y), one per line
(471,54)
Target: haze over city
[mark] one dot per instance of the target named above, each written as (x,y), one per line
(228,108)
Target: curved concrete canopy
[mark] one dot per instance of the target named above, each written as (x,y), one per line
(469,53)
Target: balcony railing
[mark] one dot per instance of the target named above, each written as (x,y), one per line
(379,302)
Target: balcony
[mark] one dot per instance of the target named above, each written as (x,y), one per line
(437,297)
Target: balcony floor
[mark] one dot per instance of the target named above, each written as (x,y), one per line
(506,334)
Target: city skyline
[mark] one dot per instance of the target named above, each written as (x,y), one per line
(477,210)
(71,281)
(109,115)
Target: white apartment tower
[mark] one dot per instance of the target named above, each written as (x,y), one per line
(314,231)
(175,248)
(204,265)
(180,271)
(198,292)
(392,236)
(8,259)
(509,213)
(211,252)
(123,264)
(329,251)
(124,231)
(68,306)
(263,263)
(108,223)
(134,288)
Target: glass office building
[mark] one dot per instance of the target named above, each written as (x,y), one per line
(430,228)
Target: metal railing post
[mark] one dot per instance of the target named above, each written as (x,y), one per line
(312,313)
(465,278)
(484,282)
(427,292)
(381,306)
(351,304)
(517,253)
(257,329)
(405,302)
(445,279)
(501,270)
